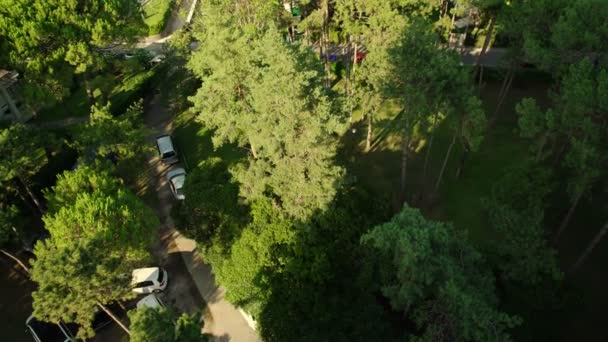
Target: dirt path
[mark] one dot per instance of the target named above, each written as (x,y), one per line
(222,319)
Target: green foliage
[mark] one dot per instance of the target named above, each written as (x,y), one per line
(50,41)
(430,271)
(22,150)
(268,96)
(151,325)
(73,278)
(324,270)
(573,122)
(123,136)
(9,215)
(119,218)
(212,209)
(516,211)
(85,179)
(157,325)
(99,233)
(188,329)
(253,254)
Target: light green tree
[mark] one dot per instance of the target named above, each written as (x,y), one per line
(85,179)
(280,110)
(51,41)
(97,238)
(123,136)
(76,279)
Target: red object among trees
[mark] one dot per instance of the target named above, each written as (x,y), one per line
(360,56)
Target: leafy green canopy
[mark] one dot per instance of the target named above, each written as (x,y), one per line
(73,278)
(99,233)
(158,325)
(50,40)
(516,211)
(22,151)
(123,136)
(85,179)
(266,95)
(430,271)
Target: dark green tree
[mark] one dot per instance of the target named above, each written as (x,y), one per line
(430,272)
(516,211)
(163,325)
(23,155)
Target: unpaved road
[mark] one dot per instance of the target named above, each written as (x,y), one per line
(222,319)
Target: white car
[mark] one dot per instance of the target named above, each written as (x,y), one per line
(176,178)
(150,301)
(148,280)
(166,149)
(44,331)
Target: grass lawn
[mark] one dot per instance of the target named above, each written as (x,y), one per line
(156,14)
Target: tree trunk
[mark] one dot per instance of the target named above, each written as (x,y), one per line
(484,49)
(404,155)
(368,139)
(325,39)
(539,153)
(114,318)
(596,240)
(27,203)
(19,262)
(253,150)
(428,150)
(504,91)
(445,161)
(32,196)
(566,220)
(451,27)
(352,77)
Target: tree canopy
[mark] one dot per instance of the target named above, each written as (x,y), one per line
(51,41)
(163,325)
(429,270)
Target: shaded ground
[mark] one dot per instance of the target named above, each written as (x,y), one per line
(16,304)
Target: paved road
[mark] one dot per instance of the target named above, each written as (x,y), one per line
(492,58)
(222,319)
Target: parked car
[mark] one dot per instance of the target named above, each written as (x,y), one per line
(51,332)
(150,301)
(158,59)
(166,150)
(148,280)
(176,178)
